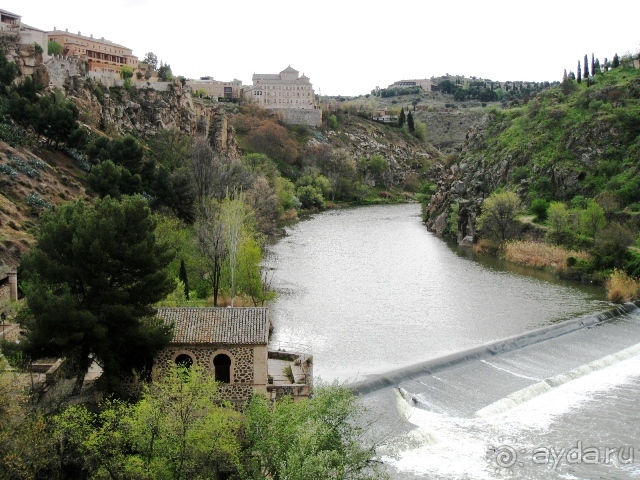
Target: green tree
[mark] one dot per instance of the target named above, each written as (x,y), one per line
(593,65)
(114,180)
(410,124)
(171,147)
(151,59)
(333,122)
(179,429)
(579,77)
(321,438)
(616,61)
(184,279)
(401,117)
(54,48)
(558,218)
(593,219)
(164,72)
(586,67)
(539,208)
(126,72)
(55,117)
(90,282)
(497,220)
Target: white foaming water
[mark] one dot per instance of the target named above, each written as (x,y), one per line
(459,447)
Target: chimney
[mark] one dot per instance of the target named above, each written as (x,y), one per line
(13,286)
(79,33)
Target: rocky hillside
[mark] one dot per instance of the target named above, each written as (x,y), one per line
(580,139)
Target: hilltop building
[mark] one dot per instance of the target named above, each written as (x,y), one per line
(424,83)
(217,89)
(287,94)
(10,23)
(102,55)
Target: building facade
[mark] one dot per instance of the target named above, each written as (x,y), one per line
(424,83)
(288,94)
(230,343)
(102,55)
(217,89)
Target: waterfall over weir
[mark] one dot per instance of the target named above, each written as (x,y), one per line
(571,386)
(378,381)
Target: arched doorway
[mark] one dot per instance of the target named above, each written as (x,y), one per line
(222,366)
(184,360)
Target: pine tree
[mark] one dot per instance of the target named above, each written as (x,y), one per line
(606,64)
(564,76)
(579,79)
(597,65)
(401,117)
(184,279)
(616,61)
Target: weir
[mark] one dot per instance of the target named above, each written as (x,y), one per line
(429,367)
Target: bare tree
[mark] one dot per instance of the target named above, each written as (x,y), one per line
(211,243)
(234,214)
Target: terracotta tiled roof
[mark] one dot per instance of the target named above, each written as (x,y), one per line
(239,326)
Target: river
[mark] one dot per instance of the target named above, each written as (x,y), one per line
(369,290)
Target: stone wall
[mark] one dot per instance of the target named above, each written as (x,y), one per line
(62,68)
(242,366)
(292,116)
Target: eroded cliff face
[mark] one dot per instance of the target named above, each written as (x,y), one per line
(145,111)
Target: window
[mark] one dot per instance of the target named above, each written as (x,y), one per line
(184,360)
(222,366)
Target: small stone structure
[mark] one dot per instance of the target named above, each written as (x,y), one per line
(9,287)
(231,343)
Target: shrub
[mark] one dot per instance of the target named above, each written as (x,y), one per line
(542,255)
(621,287)
(539,207)
(310,197)
(520,173)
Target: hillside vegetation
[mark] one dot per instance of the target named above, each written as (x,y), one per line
(571,156)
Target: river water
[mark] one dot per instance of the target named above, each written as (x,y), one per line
(370,291)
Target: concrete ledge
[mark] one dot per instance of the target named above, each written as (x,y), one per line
(392,378)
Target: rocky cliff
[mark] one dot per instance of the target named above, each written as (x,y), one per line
(144,111)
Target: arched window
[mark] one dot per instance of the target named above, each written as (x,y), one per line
(222,366)
(184,360)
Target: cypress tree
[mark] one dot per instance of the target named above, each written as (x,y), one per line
(586,67)
(564,76)
(183,278)
(401,117)
(579,79)
(616,61)
(410,124)
(593,65)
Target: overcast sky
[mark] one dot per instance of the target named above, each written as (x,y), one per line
(349,47)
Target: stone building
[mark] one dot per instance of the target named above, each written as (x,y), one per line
(231,343)
(287,94)
(217,89)
(101,55)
